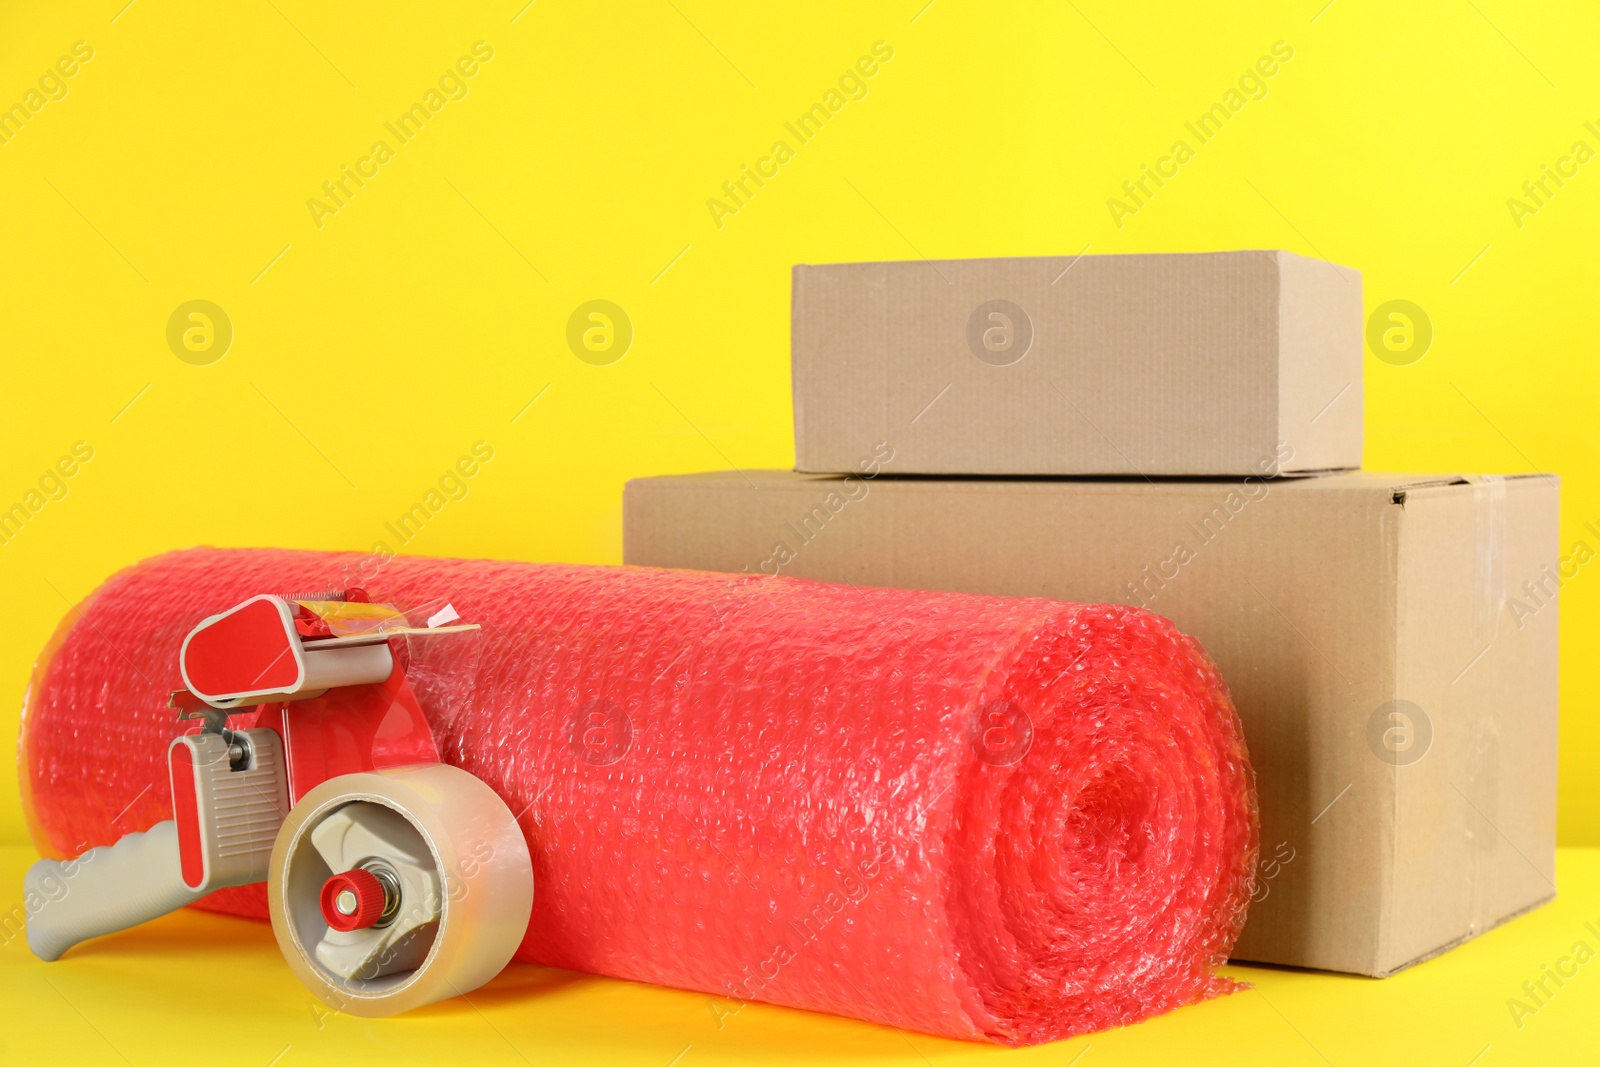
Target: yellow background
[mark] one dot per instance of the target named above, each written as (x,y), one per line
(372,351)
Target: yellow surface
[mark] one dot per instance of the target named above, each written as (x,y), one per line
(197,988)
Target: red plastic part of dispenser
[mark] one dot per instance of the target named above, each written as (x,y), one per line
(364,888)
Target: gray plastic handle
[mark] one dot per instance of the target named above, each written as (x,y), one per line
(106,889)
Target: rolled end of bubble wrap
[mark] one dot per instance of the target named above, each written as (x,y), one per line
(1103,876)
(989,818)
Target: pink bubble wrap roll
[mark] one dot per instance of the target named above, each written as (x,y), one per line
(983,817)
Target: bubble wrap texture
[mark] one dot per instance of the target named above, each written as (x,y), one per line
(983,817)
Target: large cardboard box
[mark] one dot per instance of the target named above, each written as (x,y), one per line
(1131,365)
(1390,642)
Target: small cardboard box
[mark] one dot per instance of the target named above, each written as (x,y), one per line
(1390,642)
(1130,365)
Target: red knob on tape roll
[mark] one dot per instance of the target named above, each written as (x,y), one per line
(352,900)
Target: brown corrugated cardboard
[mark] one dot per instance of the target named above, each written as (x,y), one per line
(1395,675)
(1170,364)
